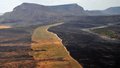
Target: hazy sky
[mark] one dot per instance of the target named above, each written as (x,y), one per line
(8,5)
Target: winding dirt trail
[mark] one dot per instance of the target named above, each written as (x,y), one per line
(49,51)
(4,27)
(89,30)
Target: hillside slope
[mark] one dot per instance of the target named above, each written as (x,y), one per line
(106,12)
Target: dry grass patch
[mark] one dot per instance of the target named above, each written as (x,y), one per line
(4,26)
(50,51)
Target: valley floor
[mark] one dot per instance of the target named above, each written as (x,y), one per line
(29,47)
(89,49)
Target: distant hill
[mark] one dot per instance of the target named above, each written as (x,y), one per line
(113,11)
(109,11)
(95,13)
(29,12)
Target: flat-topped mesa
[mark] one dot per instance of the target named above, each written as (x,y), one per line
(67,8)
(27,6)
(29,12)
